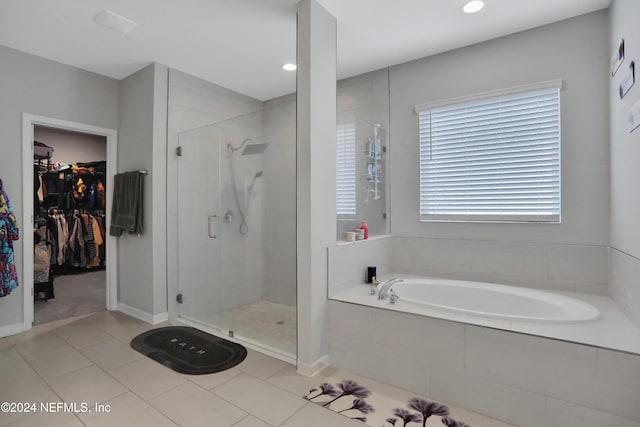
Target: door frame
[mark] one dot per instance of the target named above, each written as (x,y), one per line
(29,121)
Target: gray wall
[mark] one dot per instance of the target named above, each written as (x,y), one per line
(35,85)
(575,50)
(141,146)
(624,268)
(72,147)
(316,179)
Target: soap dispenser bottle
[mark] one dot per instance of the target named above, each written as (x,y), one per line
(365,228)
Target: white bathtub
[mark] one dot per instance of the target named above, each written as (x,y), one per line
(493,301)
(594,320)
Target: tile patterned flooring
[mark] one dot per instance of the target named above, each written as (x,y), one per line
(89,360)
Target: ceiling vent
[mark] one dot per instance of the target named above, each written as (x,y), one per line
(473,6)
(115,22)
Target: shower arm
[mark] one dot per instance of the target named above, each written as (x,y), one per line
(231,149)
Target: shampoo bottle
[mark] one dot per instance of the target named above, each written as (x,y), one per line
(365,228)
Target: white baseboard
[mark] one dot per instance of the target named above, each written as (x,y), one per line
(143,315)
(159,318)
(313,369)
(16,328)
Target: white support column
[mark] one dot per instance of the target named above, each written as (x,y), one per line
(316,178)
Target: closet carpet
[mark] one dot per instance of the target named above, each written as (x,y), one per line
(76,294)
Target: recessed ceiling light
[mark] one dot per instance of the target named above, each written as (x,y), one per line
(473,6)
(289,67)
(115,22)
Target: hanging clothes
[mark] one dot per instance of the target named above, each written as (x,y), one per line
(77,239)
(8,233)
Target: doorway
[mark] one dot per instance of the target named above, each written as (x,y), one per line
(69,224)
(33,125)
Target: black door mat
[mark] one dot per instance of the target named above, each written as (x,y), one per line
(189,350)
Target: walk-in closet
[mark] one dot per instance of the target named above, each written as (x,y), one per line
(69,224)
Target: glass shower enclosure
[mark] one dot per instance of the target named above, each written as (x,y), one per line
(237,229)
(361,175)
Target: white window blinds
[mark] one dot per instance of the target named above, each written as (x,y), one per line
(495,159)
(346,169)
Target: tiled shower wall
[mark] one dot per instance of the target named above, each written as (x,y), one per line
(279,221)
(194,103)
(521,379)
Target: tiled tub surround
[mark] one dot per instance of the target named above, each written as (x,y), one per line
(518,378)
(574,270)
(612,329)
(348,262)
(523,373)
(624,283)
(549,266)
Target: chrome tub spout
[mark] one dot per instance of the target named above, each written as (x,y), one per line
(384,288)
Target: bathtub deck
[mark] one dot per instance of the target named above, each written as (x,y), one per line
(611,330)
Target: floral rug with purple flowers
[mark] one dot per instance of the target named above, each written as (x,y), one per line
(357,402)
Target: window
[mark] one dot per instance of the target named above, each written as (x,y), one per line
(346,170)
(495,158)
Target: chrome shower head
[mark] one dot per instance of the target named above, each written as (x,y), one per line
(255,148)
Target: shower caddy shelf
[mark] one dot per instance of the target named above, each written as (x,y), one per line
(374,163)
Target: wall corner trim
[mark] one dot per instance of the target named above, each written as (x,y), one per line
(313,369)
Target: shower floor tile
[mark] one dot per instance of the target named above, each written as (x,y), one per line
(264,322)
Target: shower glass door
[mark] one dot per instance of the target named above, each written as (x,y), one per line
(198,199)
(237,228)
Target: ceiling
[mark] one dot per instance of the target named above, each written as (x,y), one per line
(241,44)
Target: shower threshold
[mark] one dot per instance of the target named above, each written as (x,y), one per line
(263,326)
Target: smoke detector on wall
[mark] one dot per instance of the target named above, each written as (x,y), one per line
(115,22)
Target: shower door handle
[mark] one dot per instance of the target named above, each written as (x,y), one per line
(212,226)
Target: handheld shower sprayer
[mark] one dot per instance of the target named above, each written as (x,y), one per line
(256,176)
(247,149)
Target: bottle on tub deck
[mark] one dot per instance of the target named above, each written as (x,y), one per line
(365,228)
(373,289)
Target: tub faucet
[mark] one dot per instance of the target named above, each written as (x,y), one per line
(394,297)
(384,288)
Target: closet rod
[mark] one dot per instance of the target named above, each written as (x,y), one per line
(143,172)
